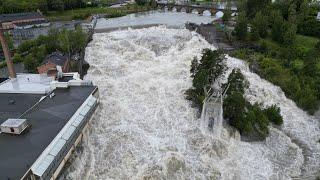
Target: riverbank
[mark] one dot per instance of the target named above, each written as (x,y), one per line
(213,35)
(84,13)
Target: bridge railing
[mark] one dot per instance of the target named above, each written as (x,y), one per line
(216,5)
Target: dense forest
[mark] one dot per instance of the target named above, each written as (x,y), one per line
(285,36)
(15,6)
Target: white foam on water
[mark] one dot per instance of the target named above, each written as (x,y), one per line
(146,129)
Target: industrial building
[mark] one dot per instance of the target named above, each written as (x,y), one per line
(42,119)
(22,20)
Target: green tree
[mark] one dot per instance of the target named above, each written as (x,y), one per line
(277,30)
(57,5)
(30,64)
(289,33)
(234,106)
(227,13)
(260,25)
(273,114)
(65,42)
(210,67)
(254,6)
(242,5)
(241,27)
(236,82)
(78,40)
(260,123)
(17,58)
(194,66)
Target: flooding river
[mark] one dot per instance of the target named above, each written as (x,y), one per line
(146,129)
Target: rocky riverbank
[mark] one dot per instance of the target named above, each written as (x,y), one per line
(213,35)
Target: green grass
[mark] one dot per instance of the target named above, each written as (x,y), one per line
(306,41)
(83,13)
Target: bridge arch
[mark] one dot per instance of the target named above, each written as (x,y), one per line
(206,13)
(219,14)
(174,9)
(195,11)
(183,9)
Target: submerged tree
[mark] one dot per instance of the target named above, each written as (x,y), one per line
(205,72)
(250,120)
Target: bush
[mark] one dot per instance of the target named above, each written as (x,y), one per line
(273,114)
(81,16)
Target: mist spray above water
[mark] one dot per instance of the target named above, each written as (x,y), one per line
(146,129)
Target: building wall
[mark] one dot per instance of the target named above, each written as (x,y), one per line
(9,25)
(45,67)
(66,67)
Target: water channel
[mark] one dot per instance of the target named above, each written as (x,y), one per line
(146,129)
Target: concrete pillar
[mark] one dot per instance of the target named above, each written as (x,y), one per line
(7,55)
(213,12)
(188,10)
(200,11)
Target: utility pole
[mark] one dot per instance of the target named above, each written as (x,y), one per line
(6,52)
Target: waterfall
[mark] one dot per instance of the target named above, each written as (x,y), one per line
(146,129)
(212,115)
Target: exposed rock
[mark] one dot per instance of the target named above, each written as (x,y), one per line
(174,163)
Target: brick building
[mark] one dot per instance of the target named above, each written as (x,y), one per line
(8,21)
(53,63)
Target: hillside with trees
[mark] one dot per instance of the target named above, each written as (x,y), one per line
(285,36)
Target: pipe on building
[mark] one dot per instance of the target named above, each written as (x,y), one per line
(6,52)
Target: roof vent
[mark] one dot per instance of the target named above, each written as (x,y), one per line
(14,126)
(12,102)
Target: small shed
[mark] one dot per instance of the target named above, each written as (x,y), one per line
(14,126)
(318,16)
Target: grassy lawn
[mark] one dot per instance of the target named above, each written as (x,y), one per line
(306,42)
(83,13)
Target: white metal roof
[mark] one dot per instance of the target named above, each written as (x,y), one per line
(13,123)
(48,155)
(27,83)
(57,147)
(43,166)
(68,132)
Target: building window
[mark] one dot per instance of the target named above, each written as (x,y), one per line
(12,130)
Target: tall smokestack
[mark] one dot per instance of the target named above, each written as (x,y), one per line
(7,55)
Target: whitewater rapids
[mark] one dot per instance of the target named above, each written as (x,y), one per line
(146,129)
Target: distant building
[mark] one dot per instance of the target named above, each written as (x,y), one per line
(53,63)
(318,17)
(22,20)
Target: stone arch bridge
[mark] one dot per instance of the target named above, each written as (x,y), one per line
(190,7)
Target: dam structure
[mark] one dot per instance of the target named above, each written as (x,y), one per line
(42,120)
